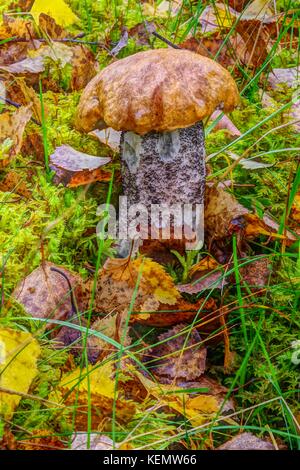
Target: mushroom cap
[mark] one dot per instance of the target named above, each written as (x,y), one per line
(156,90)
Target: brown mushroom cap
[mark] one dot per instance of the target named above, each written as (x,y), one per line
(157,90)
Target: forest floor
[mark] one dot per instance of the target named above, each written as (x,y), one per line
(170,349)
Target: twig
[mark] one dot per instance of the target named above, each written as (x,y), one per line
(17,105)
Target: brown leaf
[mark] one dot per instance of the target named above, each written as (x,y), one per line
(42,439)
(48,25)
(222,212)
(108,137)
(46,294)
(14,183)
(225,124)
(180,358)
(73,168)
(246,441)
(118,280)
(84,67)
(12,127)
(213,280)
(257,273)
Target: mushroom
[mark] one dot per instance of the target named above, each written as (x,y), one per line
(158,99)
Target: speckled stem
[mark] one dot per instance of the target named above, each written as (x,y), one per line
(164,168)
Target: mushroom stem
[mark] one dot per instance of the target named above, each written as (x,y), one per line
(164,167)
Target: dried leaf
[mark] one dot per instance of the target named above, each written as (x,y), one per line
(213,280)
(73,168)
(118,279)
(225,124)
(221,212)
(14,183)
(108,137)
(42,440)
(179,358)
(164,9)
(197,409)
(257,273)
(97,442)
(46,293)
(49,26)
(57,9)
(84,67)
(12,127)
(295,211)
(248,163)
(18,355)
(246,441)
(101,388)
(35,63)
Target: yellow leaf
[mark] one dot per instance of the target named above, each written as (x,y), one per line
(18,355)
(100,378)
(57,9)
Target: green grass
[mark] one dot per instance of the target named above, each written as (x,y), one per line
(60,223)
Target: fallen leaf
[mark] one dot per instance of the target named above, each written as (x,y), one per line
(12,127)
(57,9)
(248,163)
(97,442)
(195,407)
(108,137)
(15,183)
(221,211)
(34,64)
(47,294)
(246,441)
(225,124)
(257,273)
(291,78)
(73,168)
(118,279)
(42,439)
(84,67)
(164,9)
(179,356)
(209,281)
(295,210)
(101,389)
(18,356)
(49,27)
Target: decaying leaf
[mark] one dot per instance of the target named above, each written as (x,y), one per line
(49,26)
(180,357)
(195,406)
(12,126)
(18,356)
(14,183)
(57,9)
(97,442)
(73,168)
(221,212)
(248,163)
(246,441)
(214,280)
(291,78)
(295,210)
(225,124)
(164,9)
(108,137)
(101,387)
(257,273)
(118,279)
(84,67)
(47,294)
(42,440)
(35,62)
